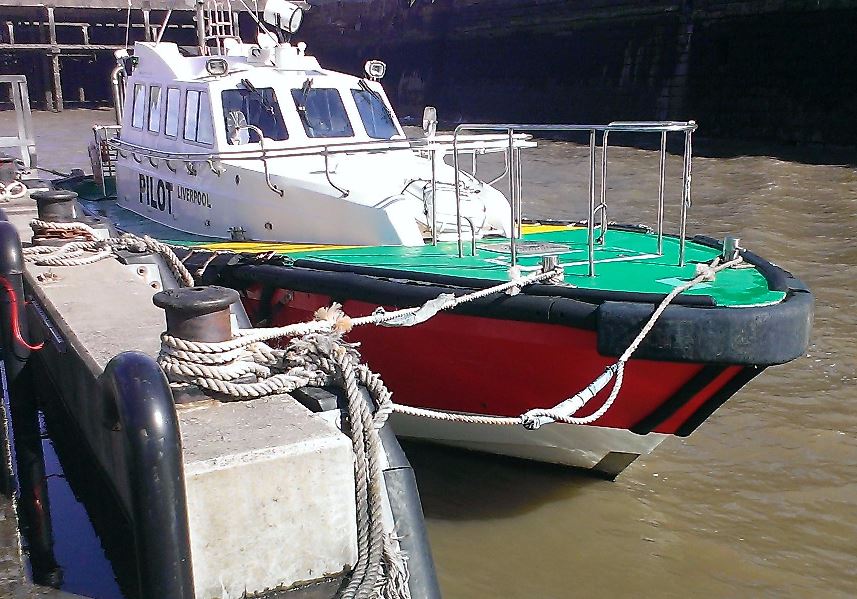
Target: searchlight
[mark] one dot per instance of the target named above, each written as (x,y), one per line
(375,69)
(284,15)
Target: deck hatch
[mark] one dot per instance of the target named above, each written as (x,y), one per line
(527,248)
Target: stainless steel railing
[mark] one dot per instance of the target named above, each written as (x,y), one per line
(596,209)
(25,140)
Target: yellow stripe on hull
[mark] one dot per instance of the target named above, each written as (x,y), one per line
(255,247)
(534,228)
(258,247)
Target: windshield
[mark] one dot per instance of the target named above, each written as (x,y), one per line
(375,115)
(322,112)
(260,109)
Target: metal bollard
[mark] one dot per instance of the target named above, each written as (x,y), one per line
(56,205)
(198,313)
(8,169)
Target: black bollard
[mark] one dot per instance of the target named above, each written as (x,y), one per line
(8,169)
(198,313)
(56,205)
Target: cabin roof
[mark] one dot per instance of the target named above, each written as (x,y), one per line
(164,62)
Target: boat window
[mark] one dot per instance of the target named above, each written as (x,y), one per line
(171,126)
(191,108)
(374,113)
(322,112)
(205,133)
(138,112)
(259,108)
(197,118)
(154,108)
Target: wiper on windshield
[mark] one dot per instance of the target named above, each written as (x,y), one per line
(365,87)
(255,91)
(305,89)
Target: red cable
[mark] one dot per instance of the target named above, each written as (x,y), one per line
(16,326)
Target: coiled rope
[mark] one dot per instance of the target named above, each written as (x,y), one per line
(12,191)
(94,249)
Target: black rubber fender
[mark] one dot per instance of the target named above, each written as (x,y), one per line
(761,336)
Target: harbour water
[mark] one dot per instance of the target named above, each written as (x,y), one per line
(760,501)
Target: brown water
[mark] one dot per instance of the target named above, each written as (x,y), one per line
(760,501)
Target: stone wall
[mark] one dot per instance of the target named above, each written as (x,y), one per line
(777,70)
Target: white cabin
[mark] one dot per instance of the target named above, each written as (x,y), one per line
(262,143)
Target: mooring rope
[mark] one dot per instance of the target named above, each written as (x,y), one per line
(218,366)
(245,367)
(564,411)
(12,191)
(93,249)
(333,320)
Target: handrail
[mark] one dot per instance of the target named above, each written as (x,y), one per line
(418,144)
(344,192)
(263,157)
(117,82)
(629,126)
(600,208)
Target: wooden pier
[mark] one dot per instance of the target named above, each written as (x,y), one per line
(44,39)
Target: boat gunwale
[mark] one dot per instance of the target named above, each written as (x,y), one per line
(773,334)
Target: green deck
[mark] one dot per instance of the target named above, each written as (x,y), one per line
(628,261)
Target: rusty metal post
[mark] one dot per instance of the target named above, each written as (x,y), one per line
(198,313)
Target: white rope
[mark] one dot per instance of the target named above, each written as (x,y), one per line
(12,191)
(215,366)
(333,320)
(93,249)
(535,418)
(564,411)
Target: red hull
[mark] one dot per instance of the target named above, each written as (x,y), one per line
(505,367)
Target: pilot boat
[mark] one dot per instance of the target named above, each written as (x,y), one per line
(297,186)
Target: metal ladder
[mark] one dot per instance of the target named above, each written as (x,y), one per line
(103,154)
(219,25)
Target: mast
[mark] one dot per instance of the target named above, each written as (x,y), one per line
(200,26)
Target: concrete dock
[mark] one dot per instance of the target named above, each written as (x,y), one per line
(269,484)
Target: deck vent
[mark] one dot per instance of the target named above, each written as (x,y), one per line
(527,248)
